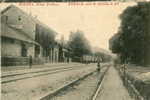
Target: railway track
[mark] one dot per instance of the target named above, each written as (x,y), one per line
(98,87)
(15,77)
(51,95)
(40,69)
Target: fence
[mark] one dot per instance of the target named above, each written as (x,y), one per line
(137,88)
(15,61)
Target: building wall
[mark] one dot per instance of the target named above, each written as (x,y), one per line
(10,48)
(22,26)
(30,50)
(11,52)
(25,26)
(56,54)
(13,48)
(17,18)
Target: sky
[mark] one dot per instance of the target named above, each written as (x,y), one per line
(98,22)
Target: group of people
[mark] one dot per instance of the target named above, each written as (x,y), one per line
(99,60)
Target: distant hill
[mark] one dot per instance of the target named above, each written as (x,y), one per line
(96,49)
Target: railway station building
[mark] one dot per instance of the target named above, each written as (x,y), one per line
(23,36)
(18,37)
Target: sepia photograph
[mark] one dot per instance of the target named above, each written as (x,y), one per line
(69,0)
(75,50)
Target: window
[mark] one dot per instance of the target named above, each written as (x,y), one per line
(6,18)
(23,50)
(19,18)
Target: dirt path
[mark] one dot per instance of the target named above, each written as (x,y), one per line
(112,87)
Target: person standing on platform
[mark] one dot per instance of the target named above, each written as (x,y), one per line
(30,61)
(98,64)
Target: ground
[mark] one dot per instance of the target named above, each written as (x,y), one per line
(82,90)
(140,72)
(33,88)
(112,87)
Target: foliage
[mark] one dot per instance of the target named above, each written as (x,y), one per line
(78,44)
(132,42)
(115,43)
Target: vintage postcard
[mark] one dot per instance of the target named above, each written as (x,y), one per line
(70,0)
(91,50)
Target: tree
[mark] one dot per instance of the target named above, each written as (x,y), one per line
(115,43)
(134,35)
(79,44)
